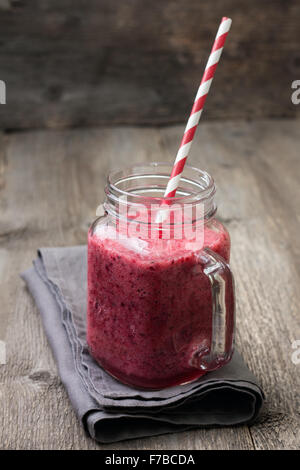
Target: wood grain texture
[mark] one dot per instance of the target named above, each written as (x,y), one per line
(77,63)
(51,183)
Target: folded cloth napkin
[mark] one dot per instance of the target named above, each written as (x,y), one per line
(109,410)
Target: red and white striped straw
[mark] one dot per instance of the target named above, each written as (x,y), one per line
(197,108)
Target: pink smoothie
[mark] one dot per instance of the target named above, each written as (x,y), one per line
(150,308)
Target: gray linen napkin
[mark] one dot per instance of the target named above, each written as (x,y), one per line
(109,410)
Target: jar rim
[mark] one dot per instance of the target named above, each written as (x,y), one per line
(202,180)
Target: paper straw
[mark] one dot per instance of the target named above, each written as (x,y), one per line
(197,108)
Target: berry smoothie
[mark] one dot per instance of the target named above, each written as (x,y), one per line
(149,318)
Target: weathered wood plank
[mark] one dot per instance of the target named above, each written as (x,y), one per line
(51,185)
(73,63)
(4,258)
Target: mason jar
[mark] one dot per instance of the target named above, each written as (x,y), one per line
(161,303)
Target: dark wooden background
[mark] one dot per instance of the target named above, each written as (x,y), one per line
(70,63)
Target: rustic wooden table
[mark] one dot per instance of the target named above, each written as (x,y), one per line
(50,185)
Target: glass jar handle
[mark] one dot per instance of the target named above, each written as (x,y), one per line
(223,309)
